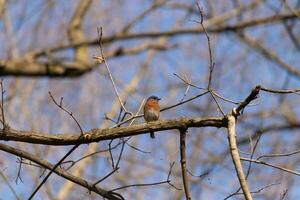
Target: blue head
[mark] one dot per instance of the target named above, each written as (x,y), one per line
(155,98)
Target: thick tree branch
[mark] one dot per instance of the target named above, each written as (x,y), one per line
(96,135)
(179,32)
(76,33)
(29,66)
(253,95)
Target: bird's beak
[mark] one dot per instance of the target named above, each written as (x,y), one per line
(158,99)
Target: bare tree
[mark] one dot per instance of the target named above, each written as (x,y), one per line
(76,75)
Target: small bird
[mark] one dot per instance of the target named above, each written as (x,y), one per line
(151,111)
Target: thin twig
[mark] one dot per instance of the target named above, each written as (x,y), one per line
(136,148)
(111,154)
(200,88)
(295,91)
(254,192)
(271,165)
(198,176)
(211,63)
(4,125)
(19,171)
(284,194)
(278,155)
(51,171)
(151,184)
(101,59)
(89,155)
(125,141)
(185,93)
(60,105)
(105,177)
(223,98)
(217,103)
(121,152)
(183,102)
(188,82)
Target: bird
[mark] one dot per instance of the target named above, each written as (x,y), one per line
(151,111)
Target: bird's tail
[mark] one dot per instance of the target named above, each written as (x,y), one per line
(152,135)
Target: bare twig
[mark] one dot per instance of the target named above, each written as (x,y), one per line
(185,93)
(168,180)
(198,176)
(223,98)
(271,165)
(263,188)
(252,155)
(136,148)
(89,155)
(295,91)
(254,192)
(121,152)
(188,82)
(4,125)
(101,59)
(183,102)
(211,63)
(278,154)
(60,105)
(284,194)
(111,154)
(217,103)
(52,170)
(108,175)
(125,141)
(19,171)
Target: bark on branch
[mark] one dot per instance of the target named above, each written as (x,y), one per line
(96,135)
(236,157)
(185,179)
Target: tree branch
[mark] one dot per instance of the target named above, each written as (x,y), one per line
(185,179)
(58,171)
(236,157)
(96,135)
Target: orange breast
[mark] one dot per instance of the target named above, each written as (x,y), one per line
(152,104)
